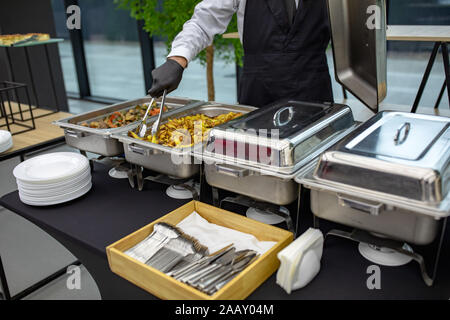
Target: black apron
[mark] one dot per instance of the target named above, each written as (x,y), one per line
(282,60)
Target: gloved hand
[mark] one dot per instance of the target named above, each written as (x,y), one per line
(166,76)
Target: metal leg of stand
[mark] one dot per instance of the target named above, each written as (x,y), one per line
(365,237)
(33,86)
(4,282)
(425,77)
(263,206)
(441,94)
(215,196)
(52,80)
(446,68)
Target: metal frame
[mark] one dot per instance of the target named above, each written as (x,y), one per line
(7,96)
(427,73)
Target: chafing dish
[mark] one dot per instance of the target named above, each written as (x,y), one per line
(100,141)
(358,31)
(259,154)
(177,162)
(391,176)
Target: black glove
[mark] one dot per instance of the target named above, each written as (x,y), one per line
(166,76)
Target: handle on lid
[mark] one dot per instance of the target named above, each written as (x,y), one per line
(232,171)
(277,116)
(406,127)
(370,208)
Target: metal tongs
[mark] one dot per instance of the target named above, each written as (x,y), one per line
(155,126)
(141,129)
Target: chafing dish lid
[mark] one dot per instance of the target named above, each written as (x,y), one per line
(396,153)
(359,48)
(290,133)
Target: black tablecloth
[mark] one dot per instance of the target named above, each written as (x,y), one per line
(112,210)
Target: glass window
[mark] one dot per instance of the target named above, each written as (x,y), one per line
(113,54)
(65,48)
(194,85)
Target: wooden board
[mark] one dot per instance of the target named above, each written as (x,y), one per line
(401,33)
(419,33)
(45,131)
(165,287)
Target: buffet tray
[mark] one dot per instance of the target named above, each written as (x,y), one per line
(177,162)
(100,141)
(165,287)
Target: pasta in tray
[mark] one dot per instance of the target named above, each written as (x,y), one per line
(186,131)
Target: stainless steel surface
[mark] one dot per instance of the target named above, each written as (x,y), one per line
(100,141)
(358,29)
(390,176)
(156,124)
(399,154)
(177,162)
(374,216)
(141,129)
(280,138)
(252,183)
(304,130)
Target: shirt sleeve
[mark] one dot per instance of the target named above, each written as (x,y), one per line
(210,17)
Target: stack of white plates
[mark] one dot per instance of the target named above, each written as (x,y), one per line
(53,178)
(6,141)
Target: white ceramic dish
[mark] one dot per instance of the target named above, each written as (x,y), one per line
(51,167)
(54,186)
(55,192)
(70,197)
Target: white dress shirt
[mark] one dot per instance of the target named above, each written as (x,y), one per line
(210,17)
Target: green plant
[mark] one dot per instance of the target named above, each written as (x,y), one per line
(165,18)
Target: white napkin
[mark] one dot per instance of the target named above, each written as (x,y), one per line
(300,261)
(216,237)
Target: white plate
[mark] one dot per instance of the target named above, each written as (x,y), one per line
(51,167)
(49,197)
(5,136)
(54,192)
(6,147)
(49,203)
(54,186)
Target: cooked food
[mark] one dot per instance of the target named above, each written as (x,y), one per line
(119,119)
(186,131)
(10,39)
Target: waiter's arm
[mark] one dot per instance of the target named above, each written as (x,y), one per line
(210,17)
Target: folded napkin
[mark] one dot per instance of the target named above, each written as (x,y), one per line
(300,261)
(216,237)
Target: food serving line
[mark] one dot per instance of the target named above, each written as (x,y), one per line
(388,178)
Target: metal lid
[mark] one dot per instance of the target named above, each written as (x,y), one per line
(358,31)
(281,137)
(397,153)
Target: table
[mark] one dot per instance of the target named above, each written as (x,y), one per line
(112,210)
(440,35)
(45,135)
(25,47)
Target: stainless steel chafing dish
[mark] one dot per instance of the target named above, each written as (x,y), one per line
(245,156)
(176,162)
(100,141)
(391,176)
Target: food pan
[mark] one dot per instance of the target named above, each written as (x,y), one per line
(291,134)
(177,162)
(100,141)
(390,176)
